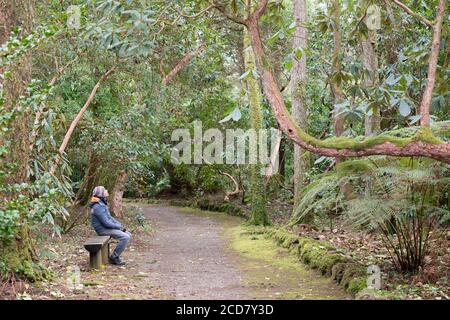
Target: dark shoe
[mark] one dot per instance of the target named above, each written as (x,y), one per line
(116,261)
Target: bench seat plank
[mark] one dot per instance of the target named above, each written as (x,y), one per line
(94,244)
(98,248)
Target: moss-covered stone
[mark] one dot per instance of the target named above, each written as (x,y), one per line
(337,271)
(272,270)
(326,262)
(351,271)
(356,285)
(322,255)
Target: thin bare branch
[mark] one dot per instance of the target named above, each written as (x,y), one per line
(182,63)
(405,8)
(236,187)
(77,119)
(230,16)
(197,14)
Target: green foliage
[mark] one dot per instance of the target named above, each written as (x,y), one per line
(9,220)
(129,123)
(402,200)
(138,218)
(19,44)
(318,198)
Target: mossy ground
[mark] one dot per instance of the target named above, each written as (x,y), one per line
(274,272)
(322,256)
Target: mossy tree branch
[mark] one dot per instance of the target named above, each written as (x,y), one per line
(422,143)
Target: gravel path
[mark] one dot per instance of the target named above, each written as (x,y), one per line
(191,257)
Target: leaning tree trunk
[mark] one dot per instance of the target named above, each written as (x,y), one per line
(92,178)
(116,204)
(299,112)
(257,185)
(78,118)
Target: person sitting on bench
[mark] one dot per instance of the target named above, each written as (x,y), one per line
(105,225)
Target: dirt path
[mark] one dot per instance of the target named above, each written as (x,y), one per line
(192,258)
(189,254)
(191,262)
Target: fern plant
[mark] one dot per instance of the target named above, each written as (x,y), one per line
(402,200)
(318,198)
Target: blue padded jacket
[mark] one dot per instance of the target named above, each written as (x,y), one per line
(101,219)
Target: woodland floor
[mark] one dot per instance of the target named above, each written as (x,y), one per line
(186,254)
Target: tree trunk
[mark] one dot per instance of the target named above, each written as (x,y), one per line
(336,88)
(370,61)
(13,14)
(298,91)
(18,256)
(92,177)
(425,104)
(283,158)
(423,144)
(258,193)
(338,125)
(117,194)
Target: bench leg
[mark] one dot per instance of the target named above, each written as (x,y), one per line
(105,253)
(95,260)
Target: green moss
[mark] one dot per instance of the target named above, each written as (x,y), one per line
(356,285)
(289,241)
(19,257)
(258,203)
(284,239)
(354,166)
(400,138)
(206,204)
(351,271)
(276,270)
(13,262)
(321,255)
(326,262)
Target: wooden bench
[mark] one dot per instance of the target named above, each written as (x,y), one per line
(98,248)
